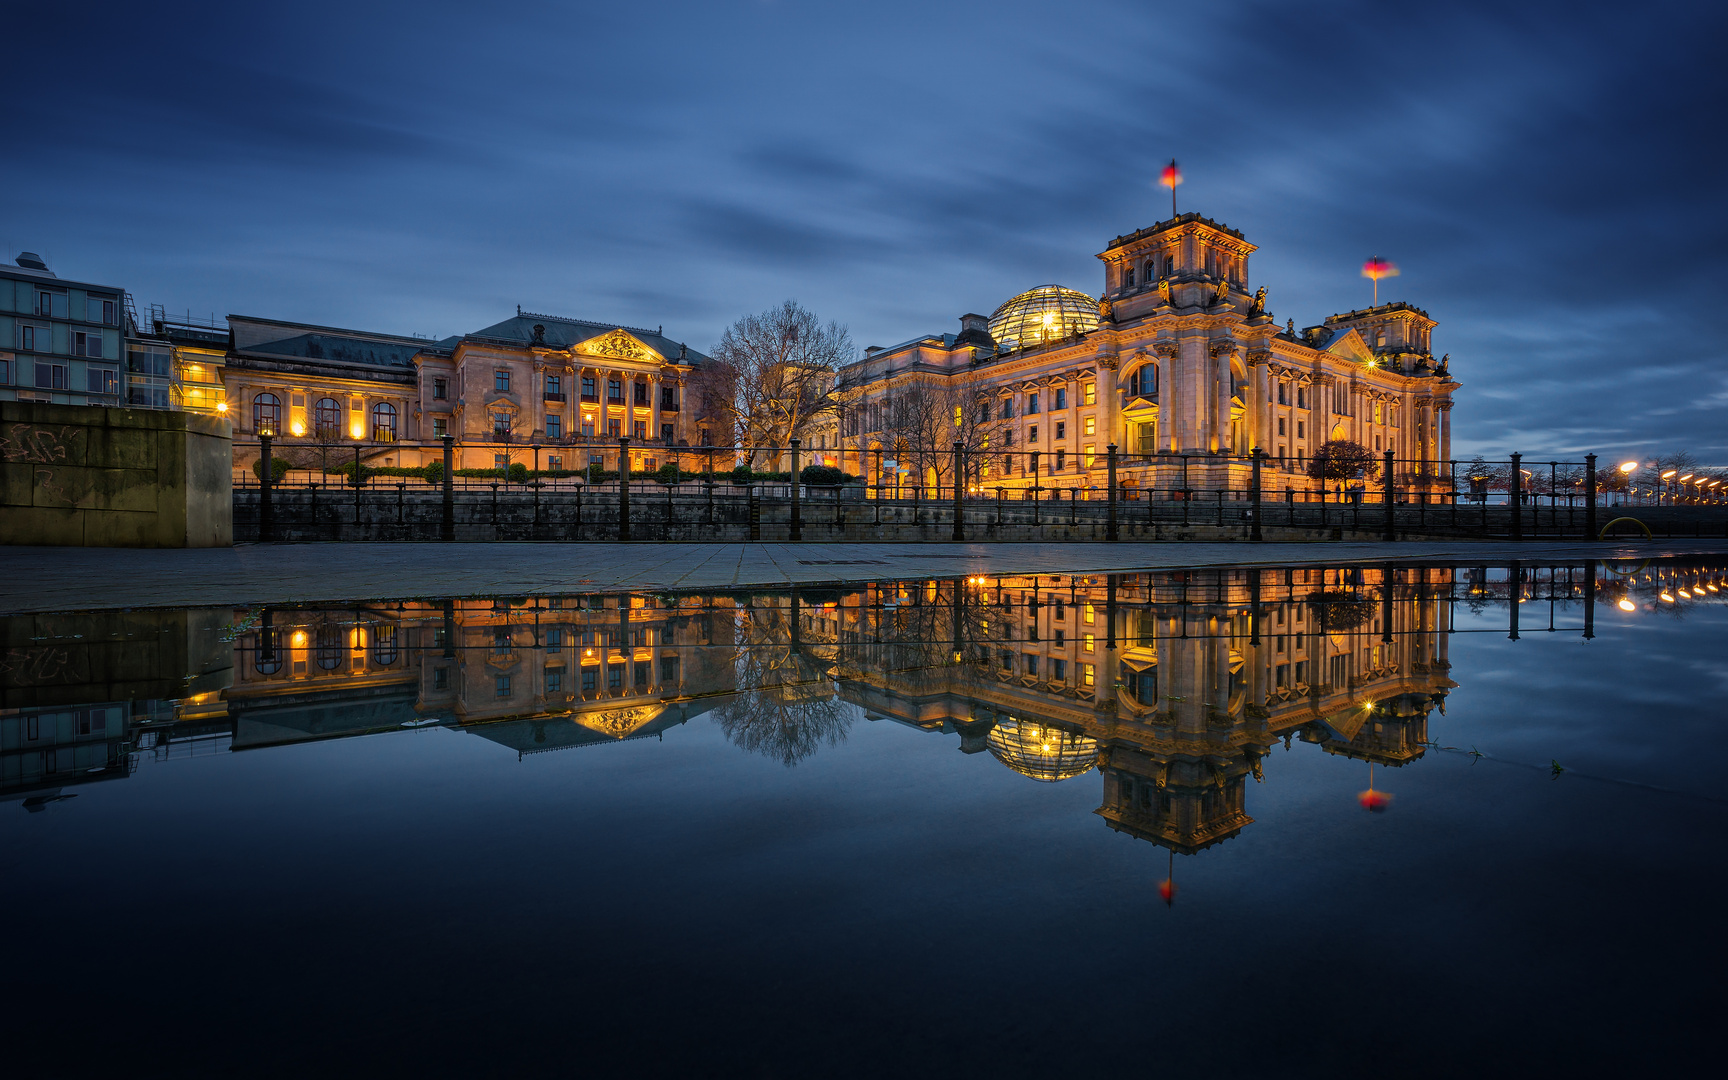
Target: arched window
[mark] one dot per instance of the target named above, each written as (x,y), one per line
(269,660)
(1128,276)
(384,645)
(327,419)
(266,414)
(1143,381)
(384,422)
(329,648)
(1151,270)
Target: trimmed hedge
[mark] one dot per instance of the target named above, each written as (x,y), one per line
(278,468)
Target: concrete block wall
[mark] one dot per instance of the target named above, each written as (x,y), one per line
(84,476)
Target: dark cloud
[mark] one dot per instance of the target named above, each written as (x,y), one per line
(1547,175)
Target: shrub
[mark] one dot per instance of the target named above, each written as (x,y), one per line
(517,473)
(742,475)
(434,472)
(278,468)
(1342,459)
(824,476)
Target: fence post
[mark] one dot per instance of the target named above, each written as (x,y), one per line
(357,482)
(959,492)
(1589,496)
(266,488)
(1391,533)
(624,489)
(1110,532)
(1254,496)
(797,525)
(448,530)
(534,482)
(1034,489)
(1517,497)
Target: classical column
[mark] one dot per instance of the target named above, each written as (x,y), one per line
(654,382)
(1220,353)
(1109,407)
(1166,352)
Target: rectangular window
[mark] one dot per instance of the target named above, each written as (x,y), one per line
(666,433)
(103,380)
(555,427)
(640,393)
(615,389)
(668,397)
(1062,398)
(1031,664)
(668,669)
(501,381)
(1007,408)
(501,462)
(51,376)
(440,427)
(441,678)
(554,387)
(554,680)
(615,676)
(555,463)
(614,427)
(639,429)
(1090,455)
(503,686)
(27,338)
(589,393)
(5,372)
(1091,392)
(590,679)
(98,310)
(1032,433)
(1058,670)
(1301,397)
(1061,429)
(1087,642)
(440,389)
(1148,436)
(1280,425)
(984,411)
(501,423)
(1091,426)
(53,304)
(1283,392)
(1087,674)
(1031,404)
(644,673)
(1061,461)
(587,427)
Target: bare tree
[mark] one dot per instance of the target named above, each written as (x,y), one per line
(923,418)
(772,378)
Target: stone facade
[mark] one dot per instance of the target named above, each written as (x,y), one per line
(1183,369)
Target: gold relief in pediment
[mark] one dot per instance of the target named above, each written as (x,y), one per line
(620,344)
(618,723)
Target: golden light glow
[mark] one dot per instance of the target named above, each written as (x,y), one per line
(1669,473)
(297,427)
(299,639)
(1627,605)
(356,430)
(1667,599)
(1628,466)
(221,406)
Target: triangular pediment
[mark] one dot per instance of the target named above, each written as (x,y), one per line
(621,344)
(1350,344)
(618,723)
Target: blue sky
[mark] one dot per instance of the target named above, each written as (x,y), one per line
(1548,177)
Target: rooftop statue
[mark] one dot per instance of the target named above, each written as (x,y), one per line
(1258,307)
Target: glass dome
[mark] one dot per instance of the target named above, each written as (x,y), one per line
(1047,313)
(1046,754)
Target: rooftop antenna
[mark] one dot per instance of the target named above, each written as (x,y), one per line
(1170,177)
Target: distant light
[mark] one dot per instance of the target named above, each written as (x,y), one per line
(1667,599)
(1627,605)
(1669,473)
(1628,466)
(221,406)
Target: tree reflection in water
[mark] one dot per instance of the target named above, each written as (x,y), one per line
(787,707)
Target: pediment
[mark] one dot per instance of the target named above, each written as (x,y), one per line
(504,405)
(620,344)
(618,723)
(1350,344)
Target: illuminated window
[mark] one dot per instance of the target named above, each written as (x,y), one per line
(1090,390)
(1087,644)
(384,422)
(327,418)
(1091,426)
(1087,672)
(1032,433)
(266,414)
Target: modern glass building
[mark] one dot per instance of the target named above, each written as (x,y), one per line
(61,341)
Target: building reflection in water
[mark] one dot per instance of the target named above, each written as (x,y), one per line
(1173,687)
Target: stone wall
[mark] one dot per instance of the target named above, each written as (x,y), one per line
(98,477)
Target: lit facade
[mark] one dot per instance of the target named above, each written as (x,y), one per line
(570,387)
(1179,364)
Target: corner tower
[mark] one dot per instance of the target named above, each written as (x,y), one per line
(1179,263)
